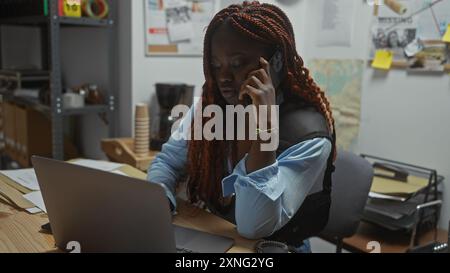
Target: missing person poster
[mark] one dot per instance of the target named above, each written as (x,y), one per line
(395,28)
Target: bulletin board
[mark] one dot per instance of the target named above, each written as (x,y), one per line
(413,30)
(177,27)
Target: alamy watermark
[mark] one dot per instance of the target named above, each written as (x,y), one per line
(73,247)
(374,247)
(252,123)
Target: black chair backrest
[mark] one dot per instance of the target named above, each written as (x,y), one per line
(352,180)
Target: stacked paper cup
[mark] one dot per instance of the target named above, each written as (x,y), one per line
(141,130)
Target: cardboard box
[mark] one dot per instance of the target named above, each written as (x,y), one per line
(29,132)
(9,128)
(33,135)
(2,127)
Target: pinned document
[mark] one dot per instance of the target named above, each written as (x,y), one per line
(383,59)
(413,48)
(335,23)
(446,37)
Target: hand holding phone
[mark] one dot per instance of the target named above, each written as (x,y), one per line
(260,86)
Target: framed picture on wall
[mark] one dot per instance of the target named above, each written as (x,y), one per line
(177,27)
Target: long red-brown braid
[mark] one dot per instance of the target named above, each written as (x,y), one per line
(267,24)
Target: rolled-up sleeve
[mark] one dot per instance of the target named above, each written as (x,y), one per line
(268,198)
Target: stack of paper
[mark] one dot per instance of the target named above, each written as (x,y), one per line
(35,197)
(24,177)
(394,196)
(386,188)
(13,184)
(97,164)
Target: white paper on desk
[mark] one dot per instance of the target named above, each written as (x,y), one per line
(385,196)
(119,172)
(335,22)
(24,177)
(36,198)
(34,210)
(98,164)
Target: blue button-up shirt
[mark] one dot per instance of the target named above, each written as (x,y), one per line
(265,199)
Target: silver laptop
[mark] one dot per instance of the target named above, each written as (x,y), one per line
(106,212)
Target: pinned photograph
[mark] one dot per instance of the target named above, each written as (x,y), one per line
(395,40)
(179,23)
(432,58)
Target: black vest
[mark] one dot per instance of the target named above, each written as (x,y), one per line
(299,122)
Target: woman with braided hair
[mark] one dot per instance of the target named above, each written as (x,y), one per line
(283,195)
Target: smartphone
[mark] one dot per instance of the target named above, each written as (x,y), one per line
(276,69)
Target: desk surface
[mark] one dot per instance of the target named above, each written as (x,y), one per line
(390,242)
(19,231)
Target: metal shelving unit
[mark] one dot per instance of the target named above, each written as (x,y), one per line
(51,26)
(43,20)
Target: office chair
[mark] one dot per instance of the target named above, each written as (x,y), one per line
(352,180)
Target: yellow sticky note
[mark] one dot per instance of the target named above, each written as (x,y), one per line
(446,37)
(383,59)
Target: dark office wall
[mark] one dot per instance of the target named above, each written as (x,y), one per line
(20,47)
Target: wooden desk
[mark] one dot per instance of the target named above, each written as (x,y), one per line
(19,231)
(391,242)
